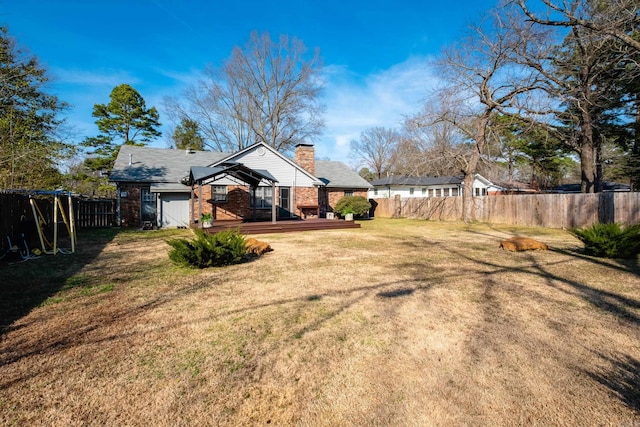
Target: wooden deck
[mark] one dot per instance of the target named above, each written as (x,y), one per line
(282,226)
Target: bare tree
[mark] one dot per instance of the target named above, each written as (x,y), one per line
(483,76)
(615,18)
(267,91)
(585,71)
(376,149)
(438,147)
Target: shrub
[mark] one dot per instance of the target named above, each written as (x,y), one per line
(610,240)
(356,205)
(208,250)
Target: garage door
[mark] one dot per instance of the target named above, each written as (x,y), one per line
(174,210)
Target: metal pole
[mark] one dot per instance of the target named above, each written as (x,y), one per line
(55,223)
(72,225)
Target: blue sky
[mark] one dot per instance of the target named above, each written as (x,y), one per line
(375,52)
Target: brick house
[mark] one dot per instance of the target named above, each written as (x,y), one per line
(171,188)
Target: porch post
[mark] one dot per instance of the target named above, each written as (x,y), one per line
(273,202)
(193,206)
(253,195)
(199,203)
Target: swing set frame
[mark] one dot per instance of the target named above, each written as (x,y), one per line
(47,247)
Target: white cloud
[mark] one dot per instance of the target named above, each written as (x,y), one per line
(109,78)
(355,103)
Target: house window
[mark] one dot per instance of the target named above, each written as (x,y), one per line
(438,192)
(481,191)
(263,198)
(411,191)
(219,193)
(348,193)
(375,191)
(424,191)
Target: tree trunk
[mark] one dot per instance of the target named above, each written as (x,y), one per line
(472,167)
(467,198)
(587,156)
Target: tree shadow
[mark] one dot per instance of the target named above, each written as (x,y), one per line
(396,293)
(619,305)
(28,284)
(622,374)
(622,379)
(627,265)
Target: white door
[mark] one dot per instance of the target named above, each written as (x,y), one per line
(174,210)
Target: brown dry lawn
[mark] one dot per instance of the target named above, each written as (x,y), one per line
(400,323)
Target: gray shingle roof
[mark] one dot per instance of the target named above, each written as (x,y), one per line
(338,175)
(171,166)
(158,164)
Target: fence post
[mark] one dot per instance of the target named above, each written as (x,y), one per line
(606,208)
(397,206)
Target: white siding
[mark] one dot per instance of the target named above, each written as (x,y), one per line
(404,191)
(287,174)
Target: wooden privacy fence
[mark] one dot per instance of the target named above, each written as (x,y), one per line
(16,211)
(536,210)
(95,213)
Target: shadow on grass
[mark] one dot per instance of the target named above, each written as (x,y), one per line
(623,379)
(631,265)
(396,293)
(628,265)
(619,305)
(28,284)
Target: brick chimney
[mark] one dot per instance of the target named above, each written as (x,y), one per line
(304,156)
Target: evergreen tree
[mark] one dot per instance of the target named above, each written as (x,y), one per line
(530,151)
(29,146)
(187,135)
(124,120)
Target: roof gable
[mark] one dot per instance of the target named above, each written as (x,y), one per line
(261,154)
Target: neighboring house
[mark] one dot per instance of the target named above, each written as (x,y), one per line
(172,188)
(442,186)
(607,187)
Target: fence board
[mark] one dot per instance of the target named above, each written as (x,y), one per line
(95,213)
(536,210)
(16,213)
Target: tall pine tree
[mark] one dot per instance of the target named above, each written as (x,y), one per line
(29,146)
(124,120)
